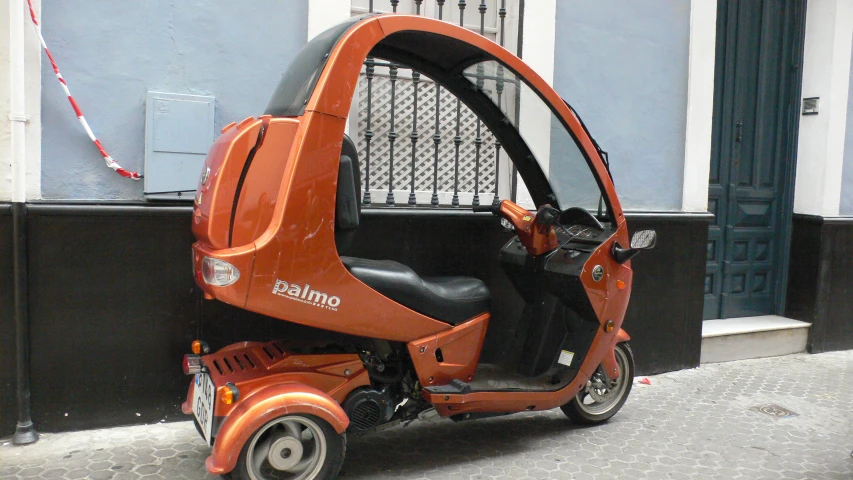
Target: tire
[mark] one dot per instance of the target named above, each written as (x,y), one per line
(326,447)
(581,411)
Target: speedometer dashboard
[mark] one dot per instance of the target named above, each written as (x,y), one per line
(576,243)
(582,231)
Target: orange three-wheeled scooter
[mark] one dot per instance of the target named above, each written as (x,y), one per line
(277,205)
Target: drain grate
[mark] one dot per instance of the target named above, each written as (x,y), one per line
(775,411)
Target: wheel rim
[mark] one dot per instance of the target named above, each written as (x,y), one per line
(291,448)
(602,394)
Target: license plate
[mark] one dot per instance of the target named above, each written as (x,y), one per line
(203,396)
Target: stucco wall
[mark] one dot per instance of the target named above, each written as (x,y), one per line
(623,66)
(846,207)
(5,124)
(112,53)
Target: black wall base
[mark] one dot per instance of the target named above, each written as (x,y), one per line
(820,282)
(664,315)
(8,404)
(113,306)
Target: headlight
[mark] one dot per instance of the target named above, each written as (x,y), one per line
(218,272)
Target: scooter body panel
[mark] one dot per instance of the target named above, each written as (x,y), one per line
(272,382)
(451,354)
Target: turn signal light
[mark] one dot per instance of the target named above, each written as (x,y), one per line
(218,273)
(199,347)
(229,393)
(192,364)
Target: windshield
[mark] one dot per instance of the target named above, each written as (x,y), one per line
(556,151)
(301,76)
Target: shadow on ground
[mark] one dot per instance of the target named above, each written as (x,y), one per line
(445,444)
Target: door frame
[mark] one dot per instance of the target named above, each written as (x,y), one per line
(793,120)
(796,31)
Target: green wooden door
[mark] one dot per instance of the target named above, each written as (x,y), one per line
(756,101)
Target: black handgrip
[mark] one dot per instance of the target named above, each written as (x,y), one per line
(487,208)
(548,215)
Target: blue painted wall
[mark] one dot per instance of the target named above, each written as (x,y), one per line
(847,172)
(623,66)
(112,53)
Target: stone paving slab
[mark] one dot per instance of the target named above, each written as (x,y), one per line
(694,424)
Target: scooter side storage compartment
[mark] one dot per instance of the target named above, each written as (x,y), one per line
(214,197)
(263,177)
(241,179)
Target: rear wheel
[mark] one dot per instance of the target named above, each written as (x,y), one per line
(292,447)
(602,396)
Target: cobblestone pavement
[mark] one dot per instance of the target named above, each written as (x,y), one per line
(693,424)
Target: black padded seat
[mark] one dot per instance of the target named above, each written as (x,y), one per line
(449,299)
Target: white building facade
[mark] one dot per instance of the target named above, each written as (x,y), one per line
(700,104)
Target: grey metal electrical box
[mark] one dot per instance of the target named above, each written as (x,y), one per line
(179,131)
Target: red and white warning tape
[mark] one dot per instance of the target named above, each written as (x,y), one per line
(110,162)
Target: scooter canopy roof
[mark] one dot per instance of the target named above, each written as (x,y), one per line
(556,157)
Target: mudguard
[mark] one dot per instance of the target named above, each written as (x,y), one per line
(611,367)
(263,406)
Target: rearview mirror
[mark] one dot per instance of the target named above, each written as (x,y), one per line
(644,239)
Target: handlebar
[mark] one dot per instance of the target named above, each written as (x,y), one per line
(494,209)
(546,215)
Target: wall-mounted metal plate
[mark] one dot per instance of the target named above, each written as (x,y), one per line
(810,105)
(179,130)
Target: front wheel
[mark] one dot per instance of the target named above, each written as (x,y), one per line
(292,447)
(602,396)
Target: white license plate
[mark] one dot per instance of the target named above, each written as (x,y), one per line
(204,394)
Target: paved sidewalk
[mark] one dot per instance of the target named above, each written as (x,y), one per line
(694,424)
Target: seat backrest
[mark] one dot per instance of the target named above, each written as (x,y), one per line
(348,198)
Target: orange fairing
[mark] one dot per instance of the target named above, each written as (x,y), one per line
(454,353)
(258,195)
(257,365)
(609,304)
(218,184)
(222,173)
(273,382)
(265,405)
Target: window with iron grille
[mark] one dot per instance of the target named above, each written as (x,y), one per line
(407,128)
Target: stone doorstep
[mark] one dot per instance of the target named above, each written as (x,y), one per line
(736,326)
(752,337)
